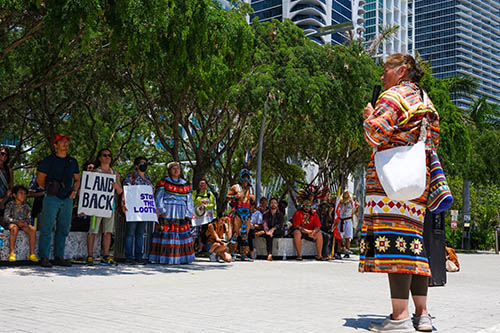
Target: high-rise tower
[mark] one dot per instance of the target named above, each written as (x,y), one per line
(310,15)
(461,37)
(382,13)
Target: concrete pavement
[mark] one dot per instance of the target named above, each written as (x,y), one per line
(263,296)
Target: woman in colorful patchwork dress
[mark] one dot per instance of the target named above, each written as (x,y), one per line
(172,242)
(392,232)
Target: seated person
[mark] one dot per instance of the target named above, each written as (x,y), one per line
(262,205)
(256,229)
(216,245)
(273,226)
(17,215)
(306,225)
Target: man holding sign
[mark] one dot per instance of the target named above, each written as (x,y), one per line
(97,198)
(139,207)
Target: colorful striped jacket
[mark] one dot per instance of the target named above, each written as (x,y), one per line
(396,122)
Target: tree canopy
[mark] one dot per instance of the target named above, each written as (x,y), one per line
(188,80)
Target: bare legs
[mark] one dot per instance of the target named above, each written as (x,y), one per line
(28,229)
(106,243)
(297,242)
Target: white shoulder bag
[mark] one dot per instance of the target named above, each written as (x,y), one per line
(402,171)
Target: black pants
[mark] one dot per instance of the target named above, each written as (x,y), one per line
(251,237)
(327,241)
(269,240)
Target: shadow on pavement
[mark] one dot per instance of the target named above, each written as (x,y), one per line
(122,269)
(363,321)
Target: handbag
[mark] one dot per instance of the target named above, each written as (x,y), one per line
(402,171)
(439,198)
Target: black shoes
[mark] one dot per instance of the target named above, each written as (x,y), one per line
(44,262)
(59,261)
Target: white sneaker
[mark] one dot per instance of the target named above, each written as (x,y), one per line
(422,323)
(213,257)
(394,326)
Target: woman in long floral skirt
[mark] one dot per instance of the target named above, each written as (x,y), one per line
(172,243)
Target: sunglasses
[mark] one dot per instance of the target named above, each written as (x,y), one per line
(3,153)
(306,206)
(106,155)
(90,168)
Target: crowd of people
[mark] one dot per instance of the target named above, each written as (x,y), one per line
(187,219)
(391,236)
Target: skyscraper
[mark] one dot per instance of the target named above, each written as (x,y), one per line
(461,37)
(309,15)
(383,13)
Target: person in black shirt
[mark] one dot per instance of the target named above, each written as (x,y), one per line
(273,226)
(58,174)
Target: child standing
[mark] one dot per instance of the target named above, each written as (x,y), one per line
(17,215)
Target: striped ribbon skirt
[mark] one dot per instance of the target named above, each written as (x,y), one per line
(172,243)
(392,237)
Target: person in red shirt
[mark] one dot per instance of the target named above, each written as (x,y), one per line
(307,225)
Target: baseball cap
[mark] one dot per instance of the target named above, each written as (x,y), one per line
(60,137)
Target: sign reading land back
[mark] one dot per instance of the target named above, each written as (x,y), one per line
(97,194)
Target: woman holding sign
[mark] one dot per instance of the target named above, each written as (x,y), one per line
(172,242)
(204,210)
(135,230)
(103,165)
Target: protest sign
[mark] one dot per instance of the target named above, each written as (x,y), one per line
(140,203)
(97,194)
(202,215)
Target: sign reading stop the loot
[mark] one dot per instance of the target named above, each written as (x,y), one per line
(140,203)
(454,219)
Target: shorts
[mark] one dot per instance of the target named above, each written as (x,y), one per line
(347,233)
(306,237)
(108,224)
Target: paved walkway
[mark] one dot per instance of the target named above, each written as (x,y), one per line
(285,296)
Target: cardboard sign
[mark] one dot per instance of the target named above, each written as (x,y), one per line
(97,195)
(140,203)
(202,215)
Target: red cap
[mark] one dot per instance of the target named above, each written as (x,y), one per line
(60,137)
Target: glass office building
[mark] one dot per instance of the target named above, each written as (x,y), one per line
(461,38)
(383,13)
(309,15)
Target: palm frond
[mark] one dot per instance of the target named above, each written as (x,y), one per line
(386,32)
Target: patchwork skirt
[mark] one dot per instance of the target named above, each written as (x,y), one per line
(172,243)
(392,237)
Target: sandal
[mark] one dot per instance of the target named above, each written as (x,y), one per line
(318,258)
(245,258)
(298,258)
